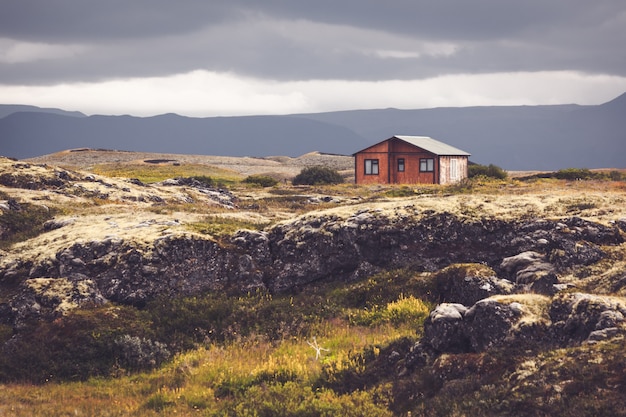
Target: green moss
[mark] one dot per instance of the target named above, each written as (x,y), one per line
(24,223)
(150,173)
(218,226)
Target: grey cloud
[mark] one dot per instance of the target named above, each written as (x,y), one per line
(94,20)
(298,40)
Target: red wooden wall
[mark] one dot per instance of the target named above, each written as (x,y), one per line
(388,152)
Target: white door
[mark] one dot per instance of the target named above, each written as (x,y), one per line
(454,170)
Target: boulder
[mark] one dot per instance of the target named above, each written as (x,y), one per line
(575,316)
(526,267)
(58,223)
(495,321)
(468,283)
(444,329)
(490,322)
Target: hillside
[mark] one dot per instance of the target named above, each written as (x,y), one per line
(513,137)
(171,287)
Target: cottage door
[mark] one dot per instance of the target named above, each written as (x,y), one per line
(454,170)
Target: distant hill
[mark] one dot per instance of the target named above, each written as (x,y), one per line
(6,109)
(29,134)
(513,137)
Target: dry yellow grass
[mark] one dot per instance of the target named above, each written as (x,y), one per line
(191,382)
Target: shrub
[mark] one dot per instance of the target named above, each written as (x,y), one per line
(73,347)
(575,174)
(317,175)
(405,310)
(204,180)
(616,176)
(261,180)
(140,353)
(185,322)
(491,171)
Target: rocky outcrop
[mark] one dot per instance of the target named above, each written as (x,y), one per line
(49,298)
(74,184)
(454,328)
(315,247)
(329,246)
(579,317)
(521,321)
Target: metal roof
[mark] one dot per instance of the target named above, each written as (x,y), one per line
(431,145)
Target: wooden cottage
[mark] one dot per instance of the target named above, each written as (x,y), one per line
(410,160)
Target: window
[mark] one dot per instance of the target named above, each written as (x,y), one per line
(371,167)
(427,165)
(400,164)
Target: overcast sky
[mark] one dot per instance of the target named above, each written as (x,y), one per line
(231,57)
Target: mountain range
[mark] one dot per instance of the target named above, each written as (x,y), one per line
(546,137)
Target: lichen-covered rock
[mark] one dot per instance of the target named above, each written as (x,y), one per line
(315,247)
(468,283)
(532,320)
(575,316)
(48,298)
(489,322)
(444,329)
(526,267)
(495,321)
(57,223)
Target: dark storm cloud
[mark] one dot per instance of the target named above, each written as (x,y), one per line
(299,40)
(89,20)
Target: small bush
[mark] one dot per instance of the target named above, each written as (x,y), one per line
(317,175)
(405,310)
(490,171)
(140,353)
(616,176)
(574,174)
(261,180)
(74,347)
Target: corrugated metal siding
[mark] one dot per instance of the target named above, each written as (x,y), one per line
(446,175)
